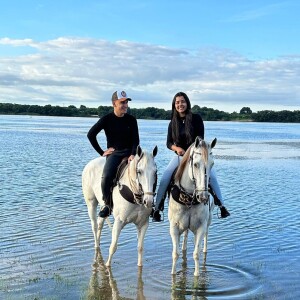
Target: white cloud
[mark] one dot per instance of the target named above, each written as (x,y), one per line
(75,71)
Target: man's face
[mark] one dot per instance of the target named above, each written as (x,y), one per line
(120,106)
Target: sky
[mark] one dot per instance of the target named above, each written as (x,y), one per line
(225,54)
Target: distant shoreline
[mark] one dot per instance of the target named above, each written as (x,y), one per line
(152,113)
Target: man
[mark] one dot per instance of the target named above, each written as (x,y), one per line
(122,137)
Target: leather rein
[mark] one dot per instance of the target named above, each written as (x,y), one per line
(186,198)
(134,193)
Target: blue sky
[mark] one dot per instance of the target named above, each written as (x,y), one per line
(223,54)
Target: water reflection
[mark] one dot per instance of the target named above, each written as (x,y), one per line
(102,284)
(181,287)
(214,280)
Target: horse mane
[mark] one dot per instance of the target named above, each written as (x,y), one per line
(183,163)
(186,157)
(205,151)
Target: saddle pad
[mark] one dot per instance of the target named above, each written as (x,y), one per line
(126,193)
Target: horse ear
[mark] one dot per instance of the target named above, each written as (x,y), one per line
(154,152)
(197,141)
(213,143)
(139,150)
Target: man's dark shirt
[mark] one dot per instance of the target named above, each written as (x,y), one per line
(121,133)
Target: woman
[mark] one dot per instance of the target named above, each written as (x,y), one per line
(183,129)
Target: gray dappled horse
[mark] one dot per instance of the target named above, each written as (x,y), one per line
(190,207)
(137,183)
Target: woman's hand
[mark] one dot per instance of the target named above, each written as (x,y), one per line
(179,150)
(130,158)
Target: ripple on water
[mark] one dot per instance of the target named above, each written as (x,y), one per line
(215,281)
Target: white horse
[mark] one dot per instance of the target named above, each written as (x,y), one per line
(190,207)
(133,197)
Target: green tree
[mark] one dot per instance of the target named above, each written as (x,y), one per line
(246,111)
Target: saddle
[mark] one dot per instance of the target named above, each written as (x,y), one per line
(119,173)
(120,170)
(124,189)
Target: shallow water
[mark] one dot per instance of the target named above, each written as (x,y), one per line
(46,246)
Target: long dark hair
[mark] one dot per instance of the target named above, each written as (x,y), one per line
(175,119)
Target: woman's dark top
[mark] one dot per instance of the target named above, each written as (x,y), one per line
(121,133)
(197,130)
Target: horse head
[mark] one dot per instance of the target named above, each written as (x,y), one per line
(145,176)
(200,164)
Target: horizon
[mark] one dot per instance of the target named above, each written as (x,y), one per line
(89,107)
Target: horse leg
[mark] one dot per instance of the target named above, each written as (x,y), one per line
(198,238)
(184,242)
(174,232)
(205,241)
(117,227)
(100,226)
(141,236)
(92,211)
(206,233)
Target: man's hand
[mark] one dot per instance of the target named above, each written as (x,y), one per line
(108,151)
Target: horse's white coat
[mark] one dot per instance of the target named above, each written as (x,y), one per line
(196,218)
(141,172)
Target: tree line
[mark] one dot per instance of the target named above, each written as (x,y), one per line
(208,114)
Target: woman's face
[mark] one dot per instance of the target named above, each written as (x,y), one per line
(180,105)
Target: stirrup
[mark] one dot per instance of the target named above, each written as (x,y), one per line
(152,212)
(224,212)
(104,212)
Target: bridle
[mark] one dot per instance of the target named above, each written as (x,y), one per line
(136,186)
(193,197)
(193,174)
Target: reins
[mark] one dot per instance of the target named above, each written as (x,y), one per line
(185,197)
(135,186)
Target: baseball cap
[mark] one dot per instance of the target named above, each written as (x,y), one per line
(120,95)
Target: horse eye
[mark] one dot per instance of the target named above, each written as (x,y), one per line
(196,165)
